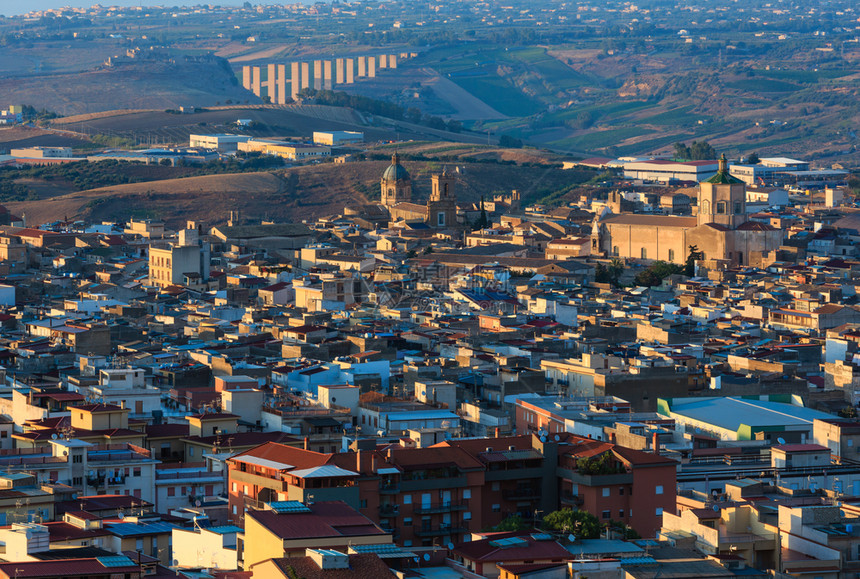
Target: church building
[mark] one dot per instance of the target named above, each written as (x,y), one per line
(441,209)
(720,229)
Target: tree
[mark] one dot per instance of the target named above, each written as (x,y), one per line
(690,264)
(510,142)
(753,159)
(582,524)
(654,274)
(511,523)
(697,151)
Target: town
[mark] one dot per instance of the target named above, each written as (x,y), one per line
(660,380)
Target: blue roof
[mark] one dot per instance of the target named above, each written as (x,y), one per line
(225,529)
(282,507)
(115,561)
(132,529)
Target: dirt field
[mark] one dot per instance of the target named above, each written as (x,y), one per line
(14,137)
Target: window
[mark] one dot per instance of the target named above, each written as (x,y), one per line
(234,509)
(606,514)
(644,253)
(738,210)
(467,516)
(190,451)
(407,499)
(495,486)
(234,487)
(620,513)
(721,207)
(615,251)
(137,471)
(440,219)
(671,255)
(659,511)
(171,491)
(77,481)
(185,490)
(407,521)
(77,458)
(497,508)
(138,545)
(621,491)
(362,504)
(658,490)
(245,489)
(605,491)
(467,494)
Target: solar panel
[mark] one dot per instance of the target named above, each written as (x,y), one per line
(284,507)
(509,542)
(118,561)
(542,537)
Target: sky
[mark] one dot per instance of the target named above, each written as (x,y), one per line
(15,7)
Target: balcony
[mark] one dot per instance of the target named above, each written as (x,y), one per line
(388,510)
(389,488)
(571,499)
(440,531)
(100,480)
(521,494)
(445,507)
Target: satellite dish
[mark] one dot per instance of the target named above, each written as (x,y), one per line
(698,430)
(543,438)
(54,436)
(416,559)
(426,556)
(716,508)
(450,546)
(176,562)
(571,537)
(197,503)
(120,516)
(780,440)
(557,438)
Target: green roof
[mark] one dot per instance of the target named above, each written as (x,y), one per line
(723,179)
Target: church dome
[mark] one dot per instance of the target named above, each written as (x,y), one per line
(396,171)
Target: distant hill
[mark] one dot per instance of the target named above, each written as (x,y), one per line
(293,194)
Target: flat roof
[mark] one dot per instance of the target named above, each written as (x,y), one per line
(732,412)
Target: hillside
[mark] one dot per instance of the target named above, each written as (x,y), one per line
(130,84)
(288,195)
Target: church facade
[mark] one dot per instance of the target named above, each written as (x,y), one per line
(720,229)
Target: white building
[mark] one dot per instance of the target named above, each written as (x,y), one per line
(209,547)
(664,171)
(222,142)
(337,138)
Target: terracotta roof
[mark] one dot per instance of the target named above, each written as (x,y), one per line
(652,220)
(326,520)
(533,550)
(95,503)
(361,566)
(61,531)
(756,226)
(64,568)
(95,408)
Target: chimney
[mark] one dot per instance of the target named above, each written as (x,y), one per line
(307,443)
(498,430)
(655,442)
(373,462)
(358,460)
